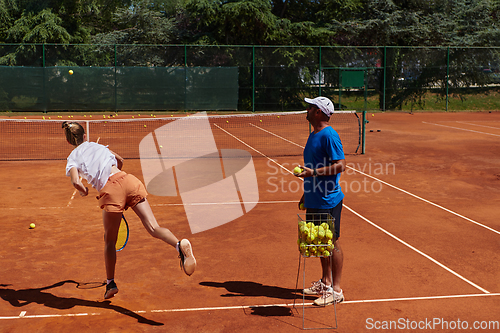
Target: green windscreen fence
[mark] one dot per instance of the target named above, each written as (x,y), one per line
(118,88)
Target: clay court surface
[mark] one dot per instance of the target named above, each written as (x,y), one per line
(420,234)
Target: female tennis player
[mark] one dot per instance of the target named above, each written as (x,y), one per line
(117,192)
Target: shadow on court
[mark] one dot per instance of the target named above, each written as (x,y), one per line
(253,289)
(271,311)
(22,297)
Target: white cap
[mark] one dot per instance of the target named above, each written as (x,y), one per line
(323,103)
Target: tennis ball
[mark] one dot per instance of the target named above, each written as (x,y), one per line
(297,170)
(70,72)
(321,232)
(301,206)
(32,225)
(329,234)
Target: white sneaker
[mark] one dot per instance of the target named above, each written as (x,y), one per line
(328,297)
(188,262)
(316,288)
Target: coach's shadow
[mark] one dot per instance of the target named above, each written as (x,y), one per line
(22,297)
(254,289)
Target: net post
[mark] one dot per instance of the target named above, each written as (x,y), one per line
(363,139)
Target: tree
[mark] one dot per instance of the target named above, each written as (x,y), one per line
(402,23)
(139,23)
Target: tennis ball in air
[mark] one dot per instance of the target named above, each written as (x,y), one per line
(301,207)
(32,225)
(297,170)
(70,72)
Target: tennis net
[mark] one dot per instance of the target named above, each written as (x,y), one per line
(261,134)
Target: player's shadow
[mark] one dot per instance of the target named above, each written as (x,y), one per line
(254,289)
(22,297)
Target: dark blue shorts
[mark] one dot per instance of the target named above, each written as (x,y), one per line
(312,214)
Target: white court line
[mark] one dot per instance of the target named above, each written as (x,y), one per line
(296,144)
(413,195)
(260,153)
(463,122)
(462,129)
(418,251)
(243,307)
(175,204)
(426,201)
(408,245)
(225,203)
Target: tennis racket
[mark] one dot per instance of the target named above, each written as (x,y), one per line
(123,232)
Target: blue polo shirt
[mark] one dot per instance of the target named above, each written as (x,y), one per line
(322,192)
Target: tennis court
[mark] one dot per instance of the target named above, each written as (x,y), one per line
(420,235)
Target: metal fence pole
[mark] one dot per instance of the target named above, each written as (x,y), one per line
(116,83)
(447,75)
(320,68)
(253,78)
(385,74)
(45,106)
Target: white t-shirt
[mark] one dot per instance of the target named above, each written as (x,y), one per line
(93,162)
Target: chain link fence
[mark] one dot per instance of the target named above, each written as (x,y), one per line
(36,77)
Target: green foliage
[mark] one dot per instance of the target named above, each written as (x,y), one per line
(139,23)
(41,27)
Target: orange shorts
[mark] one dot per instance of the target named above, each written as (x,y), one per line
(121,192)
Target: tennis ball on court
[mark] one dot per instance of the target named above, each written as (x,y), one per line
(32,225)
(301,206)
(70,72)
(373,115)
(297,170)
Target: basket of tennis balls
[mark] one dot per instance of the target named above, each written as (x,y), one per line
(316,236)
